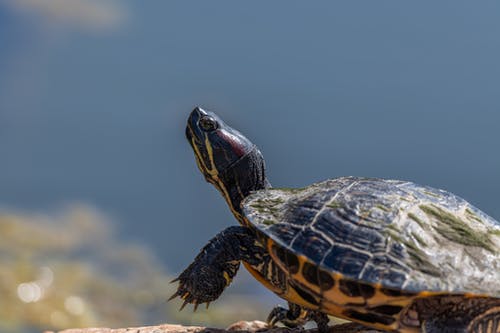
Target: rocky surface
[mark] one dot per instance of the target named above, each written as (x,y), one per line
(240,327)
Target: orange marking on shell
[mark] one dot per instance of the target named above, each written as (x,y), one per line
(299,276)
(292,296)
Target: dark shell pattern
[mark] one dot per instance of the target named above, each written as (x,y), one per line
(393,233)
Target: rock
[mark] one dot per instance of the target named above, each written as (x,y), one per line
(241,326)
(248,326)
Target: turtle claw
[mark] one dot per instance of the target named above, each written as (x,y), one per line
(278,314)
(173,296)
(187,297)
(294,316)
(214,267)
(183,305)
(196,289)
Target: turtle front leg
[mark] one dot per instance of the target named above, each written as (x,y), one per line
(217,263)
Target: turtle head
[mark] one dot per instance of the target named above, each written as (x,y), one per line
(227,159)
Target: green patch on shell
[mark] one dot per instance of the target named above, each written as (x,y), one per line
(290,189)
(470,214)
(432,194)
(268,222)
(384,208)
(335,205)
(267,205)
(394,228)
(418,258)
(455,229)
(259,205)
(419,239)
(416,219)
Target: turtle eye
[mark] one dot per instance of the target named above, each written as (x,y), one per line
(208,124)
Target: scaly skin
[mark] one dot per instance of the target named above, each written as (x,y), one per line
(216,265)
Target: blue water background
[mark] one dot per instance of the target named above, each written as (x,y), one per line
(390,89)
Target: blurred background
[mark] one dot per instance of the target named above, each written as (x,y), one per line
(101,202)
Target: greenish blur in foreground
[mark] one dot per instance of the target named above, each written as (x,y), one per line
(69,270)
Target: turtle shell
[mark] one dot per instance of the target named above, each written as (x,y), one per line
(388,233)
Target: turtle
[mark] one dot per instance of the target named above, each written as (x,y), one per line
(387,254)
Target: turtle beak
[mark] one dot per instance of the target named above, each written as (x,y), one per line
(194,137)
(192,123)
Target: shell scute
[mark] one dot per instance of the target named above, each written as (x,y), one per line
(314,245)
(341,230)
(287,232)
(349,261)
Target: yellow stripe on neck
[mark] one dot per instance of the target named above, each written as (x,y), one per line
(214,174)
(213,170)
